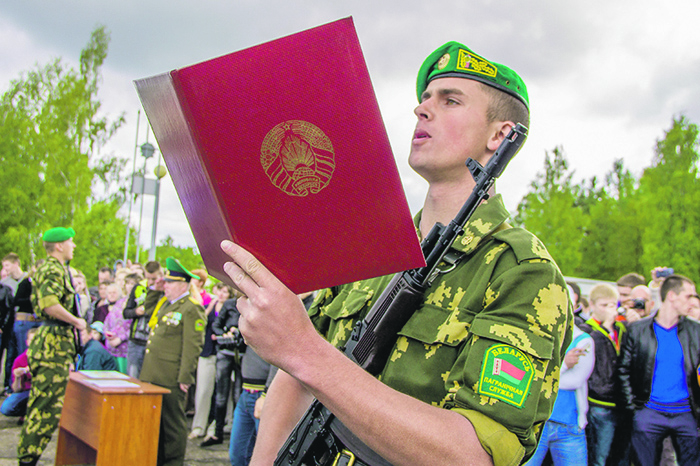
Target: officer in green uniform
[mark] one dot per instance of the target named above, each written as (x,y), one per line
(52,351)
(171,358)
(474,372)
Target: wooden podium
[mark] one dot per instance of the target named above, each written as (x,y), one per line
(109,421)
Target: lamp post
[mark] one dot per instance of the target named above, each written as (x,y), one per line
(131,189)
(160,172)
(147,151)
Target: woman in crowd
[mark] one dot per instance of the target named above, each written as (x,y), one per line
(206,366)
(230,347)
(120,279)
(116,328)
(80,283)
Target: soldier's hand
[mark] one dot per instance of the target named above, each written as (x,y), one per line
(139,311)
(184,387)
(273,321)
(80,324)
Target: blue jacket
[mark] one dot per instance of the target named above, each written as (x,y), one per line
(94,357)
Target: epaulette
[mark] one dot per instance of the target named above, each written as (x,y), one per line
(525,245)
(193,301)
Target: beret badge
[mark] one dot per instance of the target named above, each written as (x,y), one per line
(444,60)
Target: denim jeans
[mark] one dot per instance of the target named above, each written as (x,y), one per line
(650,429)
(15,404)
(20,330)
(600,433)
(567,444)
(244,430)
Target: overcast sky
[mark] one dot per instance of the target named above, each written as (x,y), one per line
(605,77)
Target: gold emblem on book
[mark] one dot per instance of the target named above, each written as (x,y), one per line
(298,157)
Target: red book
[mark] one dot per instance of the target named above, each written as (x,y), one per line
(282,149)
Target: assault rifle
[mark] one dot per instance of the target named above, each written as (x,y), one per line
(319,438)
(75,310)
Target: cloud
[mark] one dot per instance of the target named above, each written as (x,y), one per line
(605,78)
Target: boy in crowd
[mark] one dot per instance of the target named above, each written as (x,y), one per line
(564,434)
(94,356)
(606,332)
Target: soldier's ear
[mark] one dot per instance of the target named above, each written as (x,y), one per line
(498,130)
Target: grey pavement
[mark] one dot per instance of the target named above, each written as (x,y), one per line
(214,455)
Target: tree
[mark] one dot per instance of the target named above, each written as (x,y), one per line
(50,137)
(611,246)
(189,257)
(670,194)
(550,211)
(99,238)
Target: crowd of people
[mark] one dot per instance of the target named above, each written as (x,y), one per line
(627,391)
(629,388)
(121,314)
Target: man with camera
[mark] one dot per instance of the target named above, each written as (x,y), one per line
(230,348)
(641,300)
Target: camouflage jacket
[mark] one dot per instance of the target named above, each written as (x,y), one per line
(52,285)
(488,340)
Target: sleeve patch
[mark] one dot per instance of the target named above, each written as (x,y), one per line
(199,325)
(506,374)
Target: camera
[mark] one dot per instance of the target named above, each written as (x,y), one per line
(663,273)
(639,303)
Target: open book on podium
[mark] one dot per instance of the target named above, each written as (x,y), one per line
(282,149)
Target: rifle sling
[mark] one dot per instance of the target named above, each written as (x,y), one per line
(362,452)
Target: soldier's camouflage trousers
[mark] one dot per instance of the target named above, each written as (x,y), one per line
(50,354)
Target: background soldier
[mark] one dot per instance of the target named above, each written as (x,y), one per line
(171,358)
(52,351)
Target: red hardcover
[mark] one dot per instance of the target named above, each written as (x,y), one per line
(282,149)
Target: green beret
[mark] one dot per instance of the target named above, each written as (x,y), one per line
(176,272)
(456,60)
(57,235)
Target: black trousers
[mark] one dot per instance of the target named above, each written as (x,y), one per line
(650,429)
(225,366)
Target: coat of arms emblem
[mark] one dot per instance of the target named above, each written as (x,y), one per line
(298,157)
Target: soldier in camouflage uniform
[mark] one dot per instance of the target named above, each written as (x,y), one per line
(474,372)
(52,351)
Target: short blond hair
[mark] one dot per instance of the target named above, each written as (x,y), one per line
(603,291)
